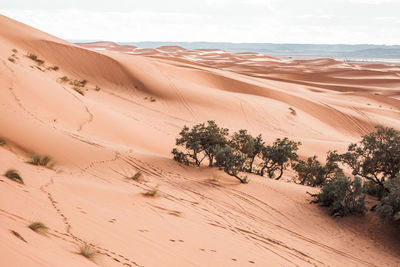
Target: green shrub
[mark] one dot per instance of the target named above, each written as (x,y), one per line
(376,157)
(312,173)
(343,196)
(14,175)
(199,143)
(231,161)
(278,156)
(389,208)
(248,145)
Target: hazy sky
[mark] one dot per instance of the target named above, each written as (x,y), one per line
(272,21)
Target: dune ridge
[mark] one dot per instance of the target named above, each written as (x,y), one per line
(126,120)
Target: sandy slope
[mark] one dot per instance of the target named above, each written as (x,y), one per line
(99,139)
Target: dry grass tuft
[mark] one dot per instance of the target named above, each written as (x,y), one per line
(87,251)
(39,227)
(292,111)
(138,177)
(14,175)
(151,192)
(2,142)
(45,161)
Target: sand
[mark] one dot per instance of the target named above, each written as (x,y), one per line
(201,217)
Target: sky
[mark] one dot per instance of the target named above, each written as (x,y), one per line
(241,21)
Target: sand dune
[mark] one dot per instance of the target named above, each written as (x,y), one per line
(100,138)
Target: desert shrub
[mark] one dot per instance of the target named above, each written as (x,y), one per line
(313,173)
(248,145)
(278,156)
(14,175)
(343,196)
(151,192)
(2,142)
(231,161)
(11,59)
(199,143)
(78,83)
(14,50)
(45,161)
(55,68)
(292,111)
(32,56)
(97,88)
(137,177)
(389,208)
(87,251)
(35,58)
(374,189)
(79,90)
(64,79)
(152,99)
(38,227)
(376,157)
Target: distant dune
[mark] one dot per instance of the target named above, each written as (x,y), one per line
(100,128)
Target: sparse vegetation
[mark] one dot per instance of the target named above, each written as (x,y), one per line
(293,111)
(236,154)
(2,142)
(151,192)
(152,99)
(14,175)
(17,235)
(138,177)
(64,79)
(78,83)
(14,50)
(313,173)
(35,58)
(278,156)
(389,208)
(45,161)
(39,227)
(343,196)
(79,90)
(376,157)
(11,59)
(87,251)
(55,68)
(97,88)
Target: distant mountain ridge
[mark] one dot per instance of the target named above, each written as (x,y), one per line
(320,50)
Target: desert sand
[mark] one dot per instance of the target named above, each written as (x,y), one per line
(202,217)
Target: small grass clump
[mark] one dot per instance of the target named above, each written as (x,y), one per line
(14,50)
(152,99)
(39,227)
(78,83)
(64,79)
(151,192)
(35,58)
(41,161)
(11,59)
(87,251)
(97,88)
(79,90)
(55,68)
(14,175)
(2,142)
(292,111)
(138,177)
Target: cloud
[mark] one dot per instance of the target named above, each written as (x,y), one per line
(280,21)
